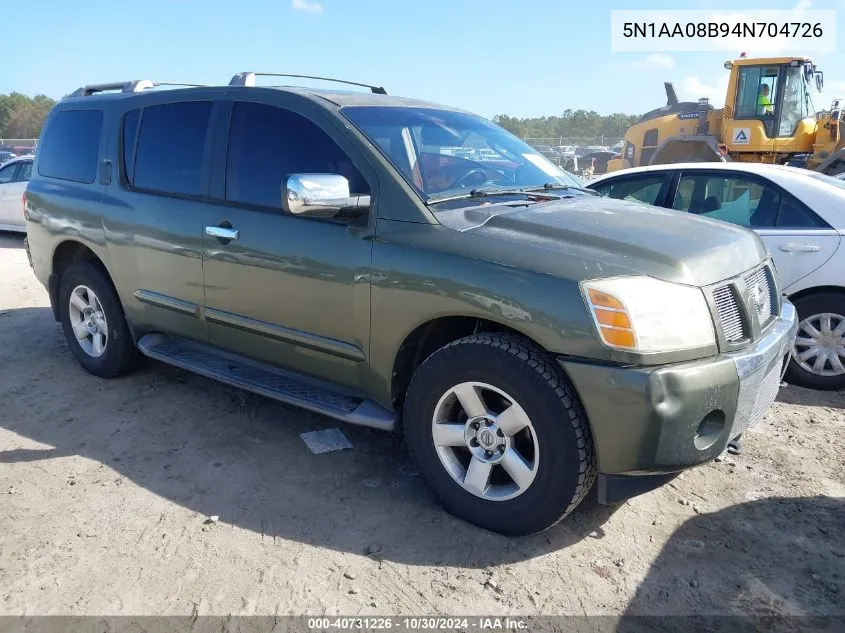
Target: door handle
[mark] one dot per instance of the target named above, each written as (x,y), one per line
(792,247)
(222,232)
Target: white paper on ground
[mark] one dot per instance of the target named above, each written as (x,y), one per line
(326,440)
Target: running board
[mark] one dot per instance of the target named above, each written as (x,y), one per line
(267,381)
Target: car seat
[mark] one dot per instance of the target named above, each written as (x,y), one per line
(766,212)
(711,203)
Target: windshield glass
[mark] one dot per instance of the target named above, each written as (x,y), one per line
(444,153)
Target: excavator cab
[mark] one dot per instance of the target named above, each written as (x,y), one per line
(769,106)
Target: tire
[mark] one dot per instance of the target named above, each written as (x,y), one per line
(118,354)
(556,447)
(811,311)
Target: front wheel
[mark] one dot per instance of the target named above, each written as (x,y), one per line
(499,435)
(818,357)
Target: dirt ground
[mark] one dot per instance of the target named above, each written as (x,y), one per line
(105,488)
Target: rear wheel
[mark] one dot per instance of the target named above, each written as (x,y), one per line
(818,360)
(499,435)
(93,322)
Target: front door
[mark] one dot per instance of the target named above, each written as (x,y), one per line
(10,198)
(286,290)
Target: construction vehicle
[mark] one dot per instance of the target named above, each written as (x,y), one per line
(768,117)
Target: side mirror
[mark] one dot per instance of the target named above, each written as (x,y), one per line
(819,81)
(319,195)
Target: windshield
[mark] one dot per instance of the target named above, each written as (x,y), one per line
(444,153)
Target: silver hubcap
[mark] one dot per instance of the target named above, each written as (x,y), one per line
(485,441)
(820,344)
(88,321)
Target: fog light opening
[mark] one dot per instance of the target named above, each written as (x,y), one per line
(710,429)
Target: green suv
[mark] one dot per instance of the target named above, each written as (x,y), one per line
(391,262)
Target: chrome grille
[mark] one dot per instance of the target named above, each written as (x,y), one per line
(760,294)
(765,396)
(729,314)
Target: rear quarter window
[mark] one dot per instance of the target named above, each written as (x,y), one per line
(70,146)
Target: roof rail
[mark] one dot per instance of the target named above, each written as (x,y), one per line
(248,79)
(137,85)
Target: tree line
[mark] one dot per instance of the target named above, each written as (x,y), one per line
(571,124)
(22,116)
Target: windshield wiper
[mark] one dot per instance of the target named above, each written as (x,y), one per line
(552,186)
(486,193)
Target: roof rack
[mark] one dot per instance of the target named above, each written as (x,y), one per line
(137,85)
(248,79)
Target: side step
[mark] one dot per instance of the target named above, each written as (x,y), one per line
(267,381)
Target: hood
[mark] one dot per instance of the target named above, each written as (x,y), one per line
(584,237)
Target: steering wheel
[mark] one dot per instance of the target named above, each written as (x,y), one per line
(460,182)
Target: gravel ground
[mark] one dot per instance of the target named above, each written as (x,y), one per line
(106,488)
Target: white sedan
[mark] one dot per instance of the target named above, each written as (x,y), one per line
(13,178)
(799,214)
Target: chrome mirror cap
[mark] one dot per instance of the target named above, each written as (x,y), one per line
(315,195)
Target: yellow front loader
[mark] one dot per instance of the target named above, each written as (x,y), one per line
(768,117)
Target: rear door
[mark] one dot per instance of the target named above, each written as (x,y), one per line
(798,240)
(156,205)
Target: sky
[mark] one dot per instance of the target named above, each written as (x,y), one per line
(523,58)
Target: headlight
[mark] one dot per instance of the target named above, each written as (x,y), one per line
(642,314)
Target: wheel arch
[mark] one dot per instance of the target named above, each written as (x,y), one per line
(816,290)
(66,253)
(426,338)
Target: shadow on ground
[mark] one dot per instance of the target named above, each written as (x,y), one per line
(812,397)
(221,451)
(760,560)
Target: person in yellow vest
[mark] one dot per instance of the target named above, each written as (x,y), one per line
(764,106)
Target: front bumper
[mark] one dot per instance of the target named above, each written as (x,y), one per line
(650,422)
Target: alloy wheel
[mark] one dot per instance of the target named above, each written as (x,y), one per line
(485,441)
(88,321)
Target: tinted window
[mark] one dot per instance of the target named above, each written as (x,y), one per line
(266,144)
(645,189)
(71,145)
(7,174)
(25,172)
(170,149)
(795,215)
(130,130)
(731,199)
